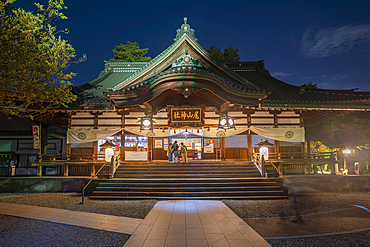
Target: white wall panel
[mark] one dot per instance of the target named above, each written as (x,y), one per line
(109,122)
(262,114)
(211,114)
(288,121)
(262,121)
(132,121)
(86,122)
(288,114)
(160,115)
(241,121)
(161,121)
(136,114)
(110,114)
(236,114)
(210,121)
(83,114)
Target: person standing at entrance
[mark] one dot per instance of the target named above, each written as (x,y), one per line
(169,153)
(175,151)
(184,153)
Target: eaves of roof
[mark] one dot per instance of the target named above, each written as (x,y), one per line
(181,71)
(282,92)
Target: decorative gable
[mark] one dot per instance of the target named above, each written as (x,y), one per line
(185,29)
(186,60)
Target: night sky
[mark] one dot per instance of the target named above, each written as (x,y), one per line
(319,41)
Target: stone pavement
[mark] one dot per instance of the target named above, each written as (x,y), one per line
(193,223)
(169,223)
(76,218)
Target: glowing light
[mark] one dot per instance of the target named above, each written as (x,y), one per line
(108,154)
(347,151)
(265,152)
(146,122)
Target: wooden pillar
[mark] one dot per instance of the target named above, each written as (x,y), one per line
(96,126)
(123,134)
(276,125)
(277,149)
(249,133)
(150,148)
(302,125)
(123,139)
(69,125)
(222,146)
(249,140)
(44,140)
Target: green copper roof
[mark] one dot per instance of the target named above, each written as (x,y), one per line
(113,73)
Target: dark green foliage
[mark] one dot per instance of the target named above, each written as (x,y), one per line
(350,131)
(228,55)
(33,59)
(130,53)
(310,85)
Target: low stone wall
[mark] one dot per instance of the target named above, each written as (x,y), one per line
(329,183)
(43,184)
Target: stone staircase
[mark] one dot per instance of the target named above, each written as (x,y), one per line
(177,181)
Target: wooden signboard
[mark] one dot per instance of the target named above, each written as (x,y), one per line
(186,116)
(36,136)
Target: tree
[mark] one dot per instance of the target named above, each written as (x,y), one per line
(33,59)
(350,131)
(228,55)
(130,52)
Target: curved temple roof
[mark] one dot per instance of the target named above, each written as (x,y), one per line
(186,64)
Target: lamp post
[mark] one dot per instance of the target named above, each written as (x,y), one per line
(264,154)
(109,152)
(264,144)
(346,153)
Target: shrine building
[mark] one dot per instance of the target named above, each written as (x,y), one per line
(220,111)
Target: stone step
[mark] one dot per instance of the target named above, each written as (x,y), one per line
(191,180)
(174,184)
(184,175)
(188,189)
(188,193)
(231,180)
(185,169)
(191,198)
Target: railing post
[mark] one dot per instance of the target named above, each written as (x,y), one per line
(66,168)
(39,170)
(92,170)
(281,168)
(112,165)
(306,169)
(263,166)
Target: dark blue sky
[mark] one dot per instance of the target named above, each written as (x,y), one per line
(319,41)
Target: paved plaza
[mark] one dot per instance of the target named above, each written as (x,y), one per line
(169,223)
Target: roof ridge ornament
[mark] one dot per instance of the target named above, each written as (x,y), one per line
(186,60)
(185,29)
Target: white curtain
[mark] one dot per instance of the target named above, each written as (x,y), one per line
(281,134)
(82,135)
(213,132)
